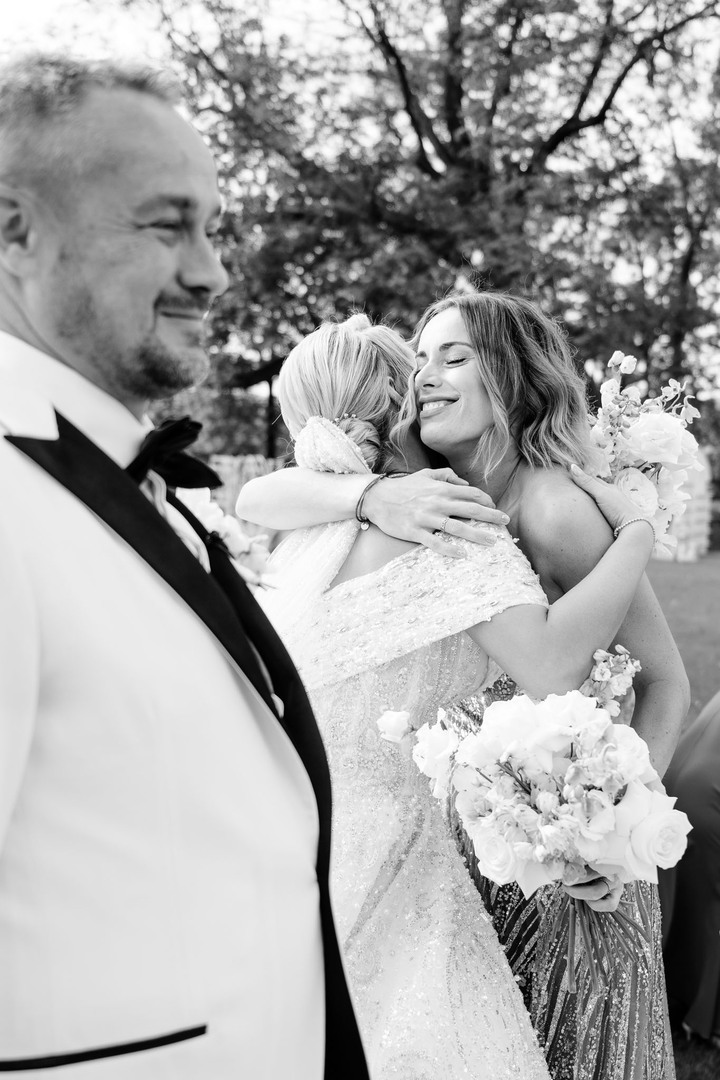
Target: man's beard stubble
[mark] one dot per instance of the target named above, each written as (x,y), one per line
(147,370)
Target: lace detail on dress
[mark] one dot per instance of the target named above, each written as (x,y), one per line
(415,599)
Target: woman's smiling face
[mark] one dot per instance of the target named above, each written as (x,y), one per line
(454,408)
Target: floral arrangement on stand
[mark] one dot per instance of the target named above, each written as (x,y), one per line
(646,447)
(554,791)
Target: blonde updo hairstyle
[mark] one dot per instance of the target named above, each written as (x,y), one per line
(528,371)
(354,373)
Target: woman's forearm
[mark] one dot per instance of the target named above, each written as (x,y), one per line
(660,709)
(417,507)
(552,652)
(297,498)
(593,611)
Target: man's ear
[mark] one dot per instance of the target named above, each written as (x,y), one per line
(18,229)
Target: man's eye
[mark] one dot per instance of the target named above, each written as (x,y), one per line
(170,225)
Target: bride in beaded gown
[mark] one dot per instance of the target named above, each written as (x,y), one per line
(375,624)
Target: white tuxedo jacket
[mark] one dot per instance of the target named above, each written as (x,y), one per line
(164,835)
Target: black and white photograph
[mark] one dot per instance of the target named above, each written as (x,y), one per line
(360,539)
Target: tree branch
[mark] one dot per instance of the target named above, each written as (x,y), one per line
(419,120)
(503,82)
(574,124)
(454,90)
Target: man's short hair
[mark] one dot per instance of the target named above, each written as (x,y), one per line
(40,94)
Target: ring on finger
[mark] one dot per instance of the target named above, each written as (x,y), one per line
(443,527)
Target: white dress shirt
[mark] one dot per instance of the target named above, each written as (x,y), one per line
(158,832)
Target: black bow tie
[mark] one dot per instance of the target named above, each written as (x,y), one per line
(162,450)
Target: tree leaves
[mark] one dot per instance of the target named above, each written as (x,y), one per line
(398,148)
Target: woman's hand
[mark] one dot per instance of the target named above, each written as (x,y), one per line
(433,507)
(599,893)
(615,507)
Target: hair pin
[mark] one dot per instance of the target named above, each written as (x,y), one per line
(345,416)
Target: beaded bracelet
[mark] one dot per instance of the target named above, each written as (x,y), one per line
(359,516)
(631,521)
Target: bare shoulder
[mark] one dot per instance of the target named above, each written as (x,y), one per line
(560,528)
(552,503)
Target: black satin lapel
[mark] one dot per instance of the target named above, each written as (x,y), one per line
(85,470)
(298,718)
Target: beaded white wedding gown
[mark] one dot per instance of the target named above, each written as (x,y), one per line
(434,995)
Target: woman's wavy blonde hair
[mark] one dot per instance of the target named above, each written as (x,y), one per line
(537,396)
(355,373)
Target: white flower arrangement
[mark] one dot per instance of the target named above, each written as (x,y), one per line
(554,791)
(646,447)
(248,553)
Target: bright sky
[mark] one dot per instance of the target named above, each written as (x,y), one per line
(89,25)
(96,26)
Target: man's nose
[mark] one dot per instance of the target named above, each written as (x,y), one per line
(201,268)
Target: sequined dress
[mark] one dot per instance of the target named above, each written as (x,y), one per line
(434,995)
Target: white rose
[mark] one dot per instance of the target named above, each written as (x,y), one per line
(394,726)
(509,720)
(496,857)
(656,437)
(632,809)
(534,732)
(661,838)
(639,490)
(480,749)
(689,451)
(629,754)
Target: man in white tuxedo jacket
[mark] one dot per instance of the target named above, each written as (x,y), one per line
(164,795)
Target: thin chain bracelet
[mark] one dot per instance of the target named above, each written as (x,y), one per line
(631,521)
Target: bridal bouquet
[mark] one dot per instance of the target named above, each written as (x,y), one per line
(646,447)
(554,791)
